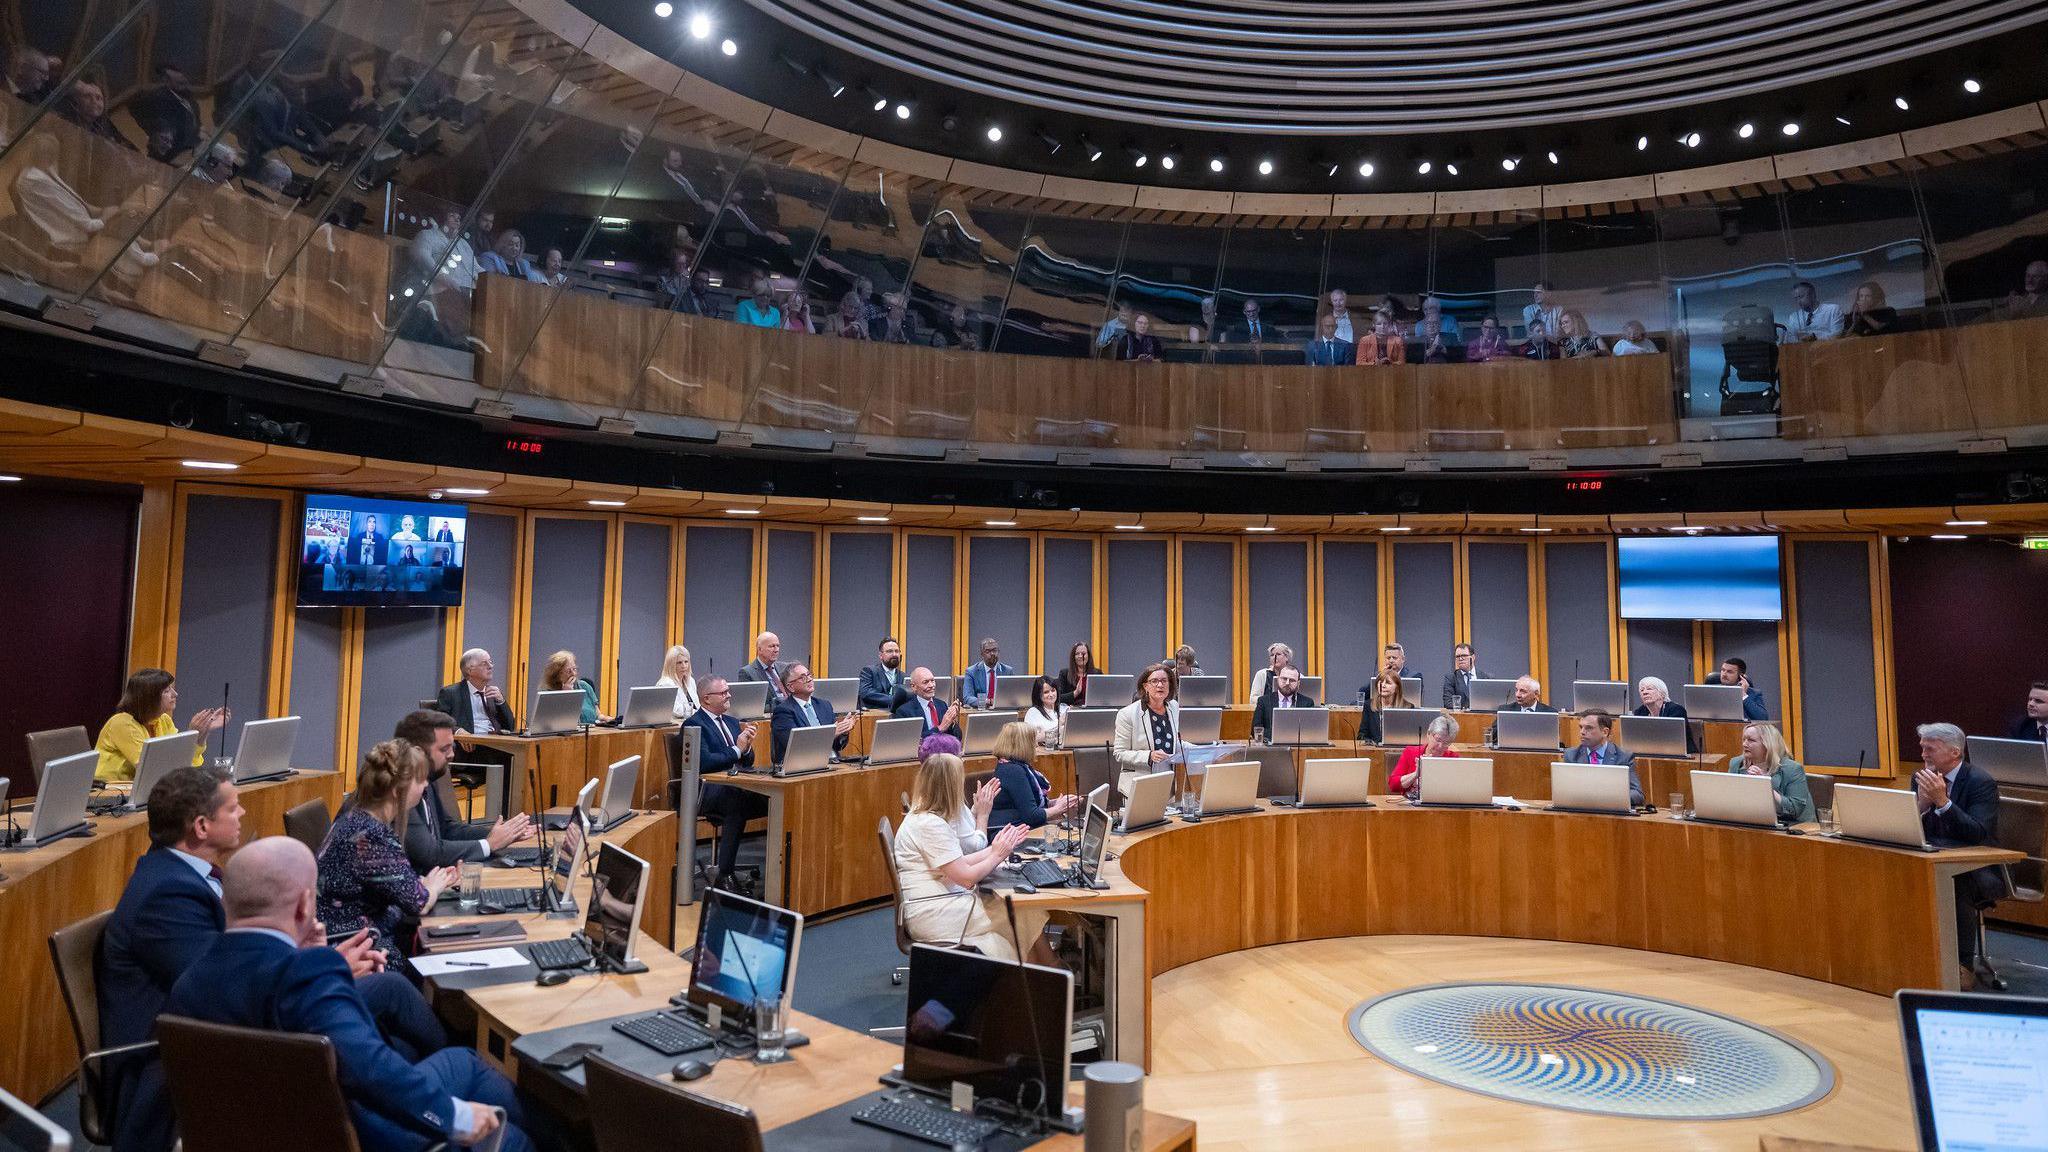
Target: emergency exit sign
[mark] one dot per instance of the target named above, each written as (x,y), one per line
(2037,543)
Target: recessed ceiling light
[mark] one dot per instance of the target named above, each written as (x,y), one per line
(1260,528)
(1538,530)
(872,519)
(1689,529)
(1265,167)
(1167,162)
(211,465)
(1422,169)
(995,134)
(1366,169)
(1690,139)
(10,479)
(700,25)
(1451,168)
(1216,164)
(1642,143)
(1000,523)
(902,110)
(881,102)
(467,491)
(1507,163)
(729,47)
(1397,528)
(1899,102)
(1130,527)
(664,9)
(1948,536)
(742,511)
(1972,87)
(606,503)
(1968,523)
(1843,121)
(1791,128)
(1746,131)
(1552,157)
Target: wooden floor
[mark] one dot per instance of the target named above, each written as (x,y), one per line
(1253,1047)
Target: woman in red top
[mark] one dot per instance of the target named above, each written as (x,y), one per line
(1436,741)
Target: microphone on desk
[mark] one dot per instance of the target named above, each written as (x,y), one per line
(222,754)
(1043,1113)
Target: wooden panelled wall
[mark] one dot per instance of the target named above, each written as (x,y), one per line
(1336,599)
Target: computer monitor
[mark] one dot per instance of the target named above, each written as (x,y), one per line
(621,781)
(570,853)
(1713,701)
(978,733)
(744,948)
(895,740)
(23,1129)
(1489,695)
(808,750)
(1734,798)
(616,896)
(749,699)
(1880,815)
(1294,726)
(1609,696)
(1651,735)
(997,1026)
(1204,691)
(265,750)
(1145,806)
(555,712)
(1334,783)
(1404,726)
(1229,788)
(649,706)
(1110,689)
(1094,837)
(1013,692)
(1411,691)
(1200,725)
(1531,731)
(1455,781)
(1090,727)
(2022,762)
(1979,1068)
(1101,795)
(1312,687)
(841,692)
(61,799)
(161,755)
(1589,787)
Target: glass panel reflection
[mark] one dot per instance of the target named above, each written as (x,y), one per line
(1059,305)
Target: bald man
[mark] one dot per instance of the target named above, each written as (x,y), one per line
(1528,697)
(767,665)
(272,969)
(938,716)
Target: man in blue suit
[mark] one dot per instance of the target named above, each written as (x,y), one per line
(926,706)
(799,708)
(1735,670)
(1326,350)
(271,969)
(1959,809)
(723,745)
(979,687)
(1596,746)
(169,915)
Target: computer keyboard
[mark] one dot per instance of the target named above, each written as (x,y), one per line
(666,1033)
(511,899)
(1042,873)
(927,1122)
(552,954)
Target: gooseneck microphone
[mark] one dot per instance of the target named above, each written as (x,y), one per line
(222,754)
(1042,1115)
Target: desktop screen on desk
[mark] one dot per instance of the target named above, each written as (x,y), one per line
(745,949)
(381,553)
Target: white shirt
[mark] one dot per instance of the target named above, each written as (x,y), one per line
(205,870)
(1344,331)
(686,696)
(1628,347)
(479,713)
(1047,728)
(1547,313)
(1950,776)
(1823,322)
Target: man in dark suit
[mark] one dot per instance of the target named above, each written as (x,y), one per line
(800,708)
(367,545)
(883,685)
(767,665)
(1253,331)
(476,704)
(1528,697)
(1326,351)
(272,969)
(1458,681)
(978,683)
(1286,693)
(1596,746)
(434,838)
(2034,725)
(1959,809)
(724,745)
(924,704)
(1735,670)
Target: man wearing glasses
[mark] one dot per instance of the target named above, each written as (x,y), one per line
(800,709)
(724,745)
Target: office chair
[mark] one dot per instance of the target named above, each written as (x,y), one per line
(52,744)
(632,1113)
(2020,828)
(1822,789)
(72,949)
(886,836)
(308,823)
(301,1091)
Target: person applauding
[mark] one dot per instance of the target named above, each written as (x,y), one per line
(148,701)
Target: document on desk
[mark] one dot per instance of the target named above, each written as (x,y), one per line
(481,960)
(1198,757)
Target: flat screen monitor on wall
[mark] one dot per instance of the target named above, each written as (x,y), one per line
(381,553)
(1699,578)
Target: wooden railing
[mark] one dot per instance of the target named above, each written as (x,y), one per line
(1947,380)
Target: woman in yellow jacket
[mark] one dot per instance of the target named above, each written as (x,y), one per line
(147,703)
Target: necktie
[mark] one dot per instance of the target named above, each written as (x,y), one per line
(810,717)
(931,715)
(1595,757)
(213,873)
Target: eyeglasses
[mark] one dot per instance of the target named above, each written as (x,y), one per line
(720,692)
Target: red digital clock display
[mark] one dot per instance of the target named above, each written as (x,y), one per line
(525,447)
(1584,485)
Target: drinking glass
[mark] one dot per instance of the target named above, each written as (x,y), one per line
(771,1026)
(1677,807)
(1828,824)
(472,890)
(1258,735)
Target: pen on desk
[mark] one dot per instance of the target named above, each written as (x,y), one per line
(466,964)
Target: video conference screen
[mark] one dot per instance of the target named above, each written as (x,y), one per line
(1699,578)
(359,552)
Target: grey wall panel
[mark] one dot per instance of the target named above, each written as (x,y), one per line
(1497,579)
(1423,619)
(1756,643)
(1837,675)
(490,572)
(1576,614)
(1351,617)
(1278,575)
(718,595)
(229,571)
(929,563)
(644,634)
(791,602)
(1207,616)
(999,598)
(401,667)
(1069,582)
(1660,648)
(863,584)
(316,685)
(567,601)
(1135,590)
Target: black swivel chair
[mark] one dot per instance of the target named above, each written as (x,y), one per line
(633,1113)
(2021,828)
(308,823)
(52,744)
(72,949)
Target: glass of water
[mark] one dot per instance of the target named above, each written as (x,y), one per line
(1828,825)
(771,1030)
(472,890)
(1677,806)
(1258,735)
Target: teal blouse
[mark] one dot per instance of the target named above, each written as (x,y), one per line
(590,706)
(1795,801)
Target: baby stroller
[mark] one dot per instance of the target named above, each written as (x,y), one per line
(1749,353)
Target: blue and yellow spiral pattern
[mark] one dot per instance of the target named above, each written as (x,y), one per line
(1585,1050)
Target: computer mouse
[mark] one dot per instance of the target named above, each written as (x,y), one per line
(1016,859)
(1024,888)
(552,977)
(691,1070)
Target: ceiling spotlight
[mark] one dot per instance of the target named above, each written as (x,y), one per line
(1843,121)
(1366,169)
(1642,143)
(1167,161)
(1746,131)
(1791,128)
(1136,154)
(1422,169)
(1507,163)
(1052,143)
(950,121)
(1265,167)
(995,134)
(793,64)
(700,25)
(833,84)
(1451,168)
(1090,148)
(1216,164)
(880,100)
(1899,102)
(1690,139)
(902,110)
(729,48)
(664,9)
(1972,87)
(1333,167)
(1551,156)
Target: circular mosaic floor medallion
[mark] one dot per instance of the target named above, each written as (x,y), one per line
(1585,1050)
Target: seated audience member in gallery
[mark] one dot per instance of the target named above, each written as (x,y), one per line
(477,703)
(759,309)
(938,715)
(1869,315)
(1810,319)
(1406,778)
(1278,656)
(1457,689)
(943,851)
(796,313)
(1635,341)
(366,880)
(1735,670)
(801,707)
(2033,725)
(1575,337)
(1959,809)
(1490,344)
(1764,754)
(1073,681)
(724,745)
(1025,795)
(1539,345)
(1437,348)
(1114,328)
(1528,697)
(1139,343)
(1253,331)
(978,682)
(1339,305)
(1047,716)
(883,684)
(1326,350)
(1433,311)
(2032,298)
(1286,693)
(1596,746)
(1382,345)
(560,674)
(434,838)
(272,970)
(148,701)
(1543,310)
(87,108)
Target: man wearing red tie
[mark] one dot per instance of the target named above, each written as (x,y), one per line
(924,704)
(1595,748)
(724,745)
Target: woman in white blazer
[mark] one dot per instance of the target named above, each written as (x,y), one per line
(1148,728)
(675,673)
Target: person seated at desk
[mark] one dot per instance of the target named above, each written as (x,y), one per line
(1764,754)
(1458,681)
(1148,728)
(1287,693)
(1869,315)
(1406,778)
(1735,670)
(1490,344)
(801,709)
(766,666)
(1382,345)
(168,916)
(434,838)
(148,701)
(1528,697)
(1959,809)
(271,970)
(924,704)
(1073,682)
(1395,658)
(1657,701)
(1596,746)
(724,745)
(1326,350)
(1383,693)
(2034,725)
(477,704)
(882,684)
(1139,343)
(1185,664)
(943,851)
(1278,656)
(675,673)
(978,683)
(1026,795)
(366,881)
(559,674)
(1047,716)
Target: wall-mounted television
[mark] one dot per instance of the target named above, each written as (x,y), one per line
(1699,578)
(357,552)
